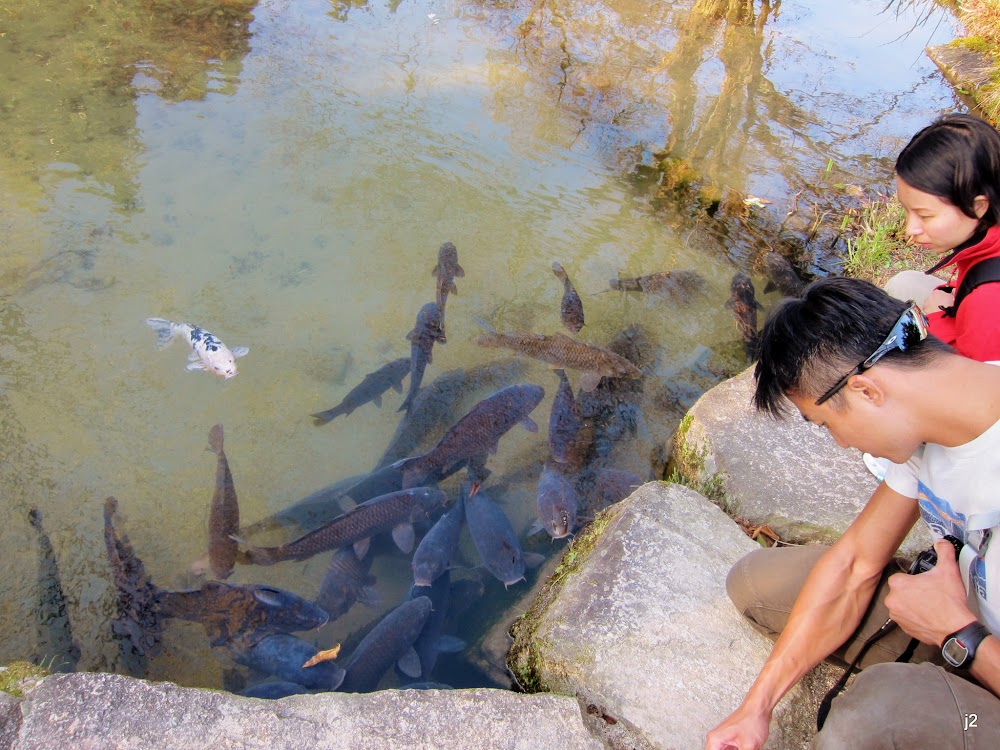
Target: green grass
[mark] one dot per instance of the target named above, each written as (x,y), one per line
(877,245)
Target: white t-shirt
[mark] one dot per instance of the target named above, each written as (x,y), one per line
(958,490)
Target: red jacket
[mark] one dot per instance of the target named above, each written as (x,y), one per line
(975,331)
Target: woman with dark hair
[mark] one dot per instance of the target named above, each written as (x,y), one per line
(948,182)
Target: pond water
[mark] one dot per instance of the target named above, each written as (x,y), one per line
(283,175)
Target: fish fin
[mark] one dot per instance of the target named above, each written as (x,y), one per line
(398,387)
(770,287)
(403,536)
(195,366)
(728,304)
(409,663)
(409,336)
(452,289)
(164,331)
(192,356)
(589,381)
(529,424)
(450,644)
(758,305)
(240,351)
(535,528)
(460,272)
(377,400)
(370,597)
(434,271)
(323,417)
(485,325)
(361,547)
(533,559)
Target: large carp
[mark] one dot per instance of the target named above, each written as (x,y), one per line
(743,302)
(371,388)
(224,516)
(475,435)
(571,307)
(561,351)
(387,642)
(396,511)
(426,331)
(445,271)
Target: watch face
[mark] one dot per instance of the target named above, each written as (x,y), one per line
(954,652)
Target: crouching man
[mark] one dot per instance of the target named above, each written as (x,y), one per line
(861,364)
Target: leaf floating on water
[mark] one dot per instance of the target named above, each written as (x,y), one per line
(327,655)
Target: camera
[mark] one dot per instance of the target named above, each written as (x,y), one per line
(928,558)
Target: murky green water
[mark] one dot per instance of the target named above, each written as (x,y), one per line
(283,175)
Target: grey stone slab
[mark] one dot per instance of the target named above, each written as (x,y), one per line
(10,720)
(643,627)
(102,711)
(787,474)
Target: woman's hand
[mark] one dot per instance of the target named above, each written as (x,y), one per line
(939,299)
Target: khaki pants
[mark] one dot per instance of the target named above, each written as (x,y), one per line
(888,706)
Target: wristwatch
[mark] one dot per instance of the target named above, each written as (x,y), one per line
(959,648)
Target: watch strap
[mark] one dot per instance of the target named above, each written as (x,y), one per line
(969,637)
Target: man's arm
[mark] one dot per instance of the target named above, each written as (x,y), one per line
(826,612)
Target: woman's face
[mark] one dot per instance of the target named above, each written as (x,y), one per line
(933,223)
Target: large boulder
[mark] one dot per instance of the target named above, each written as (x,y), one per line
(110,711)
(636,623)
(784,473)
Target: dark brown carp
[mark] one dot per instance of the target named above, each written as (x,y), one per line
(561,351)
(437,404)
(671,285)
(445,271)
(612,485)
(496,540)
(246,613)
(224,515)
(781,275)
(569,436)
(370,389)
(571,307)
(56,647)
(425,332)
(557,504)
(385,644)
(744,305)
(346,581)
(135,625)
(396,511)
(475,435)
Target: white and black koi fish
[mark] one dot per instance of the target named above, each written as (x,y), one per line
(207,352)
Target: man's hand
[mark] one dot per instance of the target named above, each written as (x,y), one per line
(937,300)
(745,729)
(932,605)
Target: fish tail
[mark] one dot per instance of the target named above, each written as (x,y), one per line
(164,331)
(215,439)
(484,324)
(322,417)
(261,556)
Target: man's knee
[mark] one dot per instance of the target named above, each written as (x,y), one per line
(764,583)
(896,705)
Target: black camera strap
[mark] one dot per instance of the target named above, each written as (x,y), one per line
(887,627)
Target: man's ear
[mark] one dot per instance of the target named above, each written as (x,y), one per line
(980,205)
(867,388)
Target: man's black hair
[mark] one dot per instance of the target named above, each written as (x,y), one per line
(811,341)
(956,158)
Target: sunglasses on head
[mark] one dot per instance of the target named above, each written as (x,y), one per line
(907,331)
